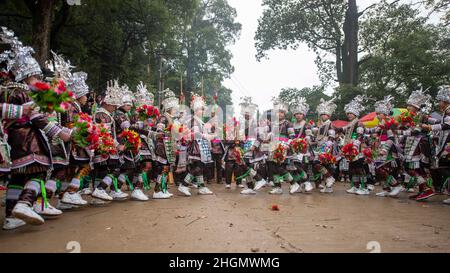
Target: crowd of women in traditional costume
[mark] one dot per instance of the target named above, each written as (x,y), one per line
(53,146)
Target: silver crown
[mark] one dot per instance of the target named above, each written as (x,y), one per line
(127,95)
(279,105)
(300,106)
(21,62)
(443,93)
(419,99)
(356,105)
(247,106)
(197,102)
(384,106)
(6,57)
(61,67)
(170,100)
(143,96)
(326,107)
(113,94)
(77,84)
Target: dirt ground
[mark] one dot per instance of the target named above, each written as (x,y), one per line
(230,222)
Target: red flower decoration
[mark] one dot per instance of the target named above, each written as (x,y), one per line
(42,86)
(327,158)
(350,151)
(299,145)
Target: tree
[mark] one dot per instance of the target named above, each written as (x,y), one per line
(403,53)
(328,27)
(205,38)
(155,41)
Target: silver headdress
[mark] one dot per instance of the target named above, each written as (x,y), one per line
(356,105)
(326,107)
(77,84)
(300,106)
(443,93)
(113,95)
(5,57)
(279,105)
(143,96)
(419,99)
(384,106)
(21,62)
(247,106)
(62,68)
(170,100)
(197,102)
(127,95)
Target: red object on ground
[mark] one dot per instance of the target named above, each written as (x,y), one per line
(275,207)
(2,188)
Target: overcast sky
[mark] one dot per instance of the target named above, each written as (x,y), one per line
(284,68)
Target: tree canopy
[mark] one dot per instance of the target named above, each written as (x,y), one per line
(159,42)
(390,47)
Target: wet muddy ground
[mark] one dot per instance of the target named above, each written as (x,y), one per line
(230,222)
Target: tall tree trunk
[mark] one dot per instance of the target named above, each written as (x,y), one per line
(350,46)
(42,11)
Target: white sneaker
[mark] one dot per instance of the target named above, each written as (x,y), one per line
(446,201)
(382,194)
(329,182)
(395,191)
(227,186)
(204,191)
(27,214)
(118,195)
(308,186)
(184,190)
(45,211)
(352,190)
(101,194)
(276,190)
(168,193)
(64,206)
(86,191)
(362,192)
(271,184)
(326,190)
(259,184)
(321,186)
(411,190)
(73,199)
(370,187)
(240,186)
(160,195)
(11,223)
(294,188)
(248,192)
(138,195)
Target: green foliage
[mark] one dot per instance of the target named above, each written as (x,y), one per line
(318,24)
(404,53)
(129,40)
